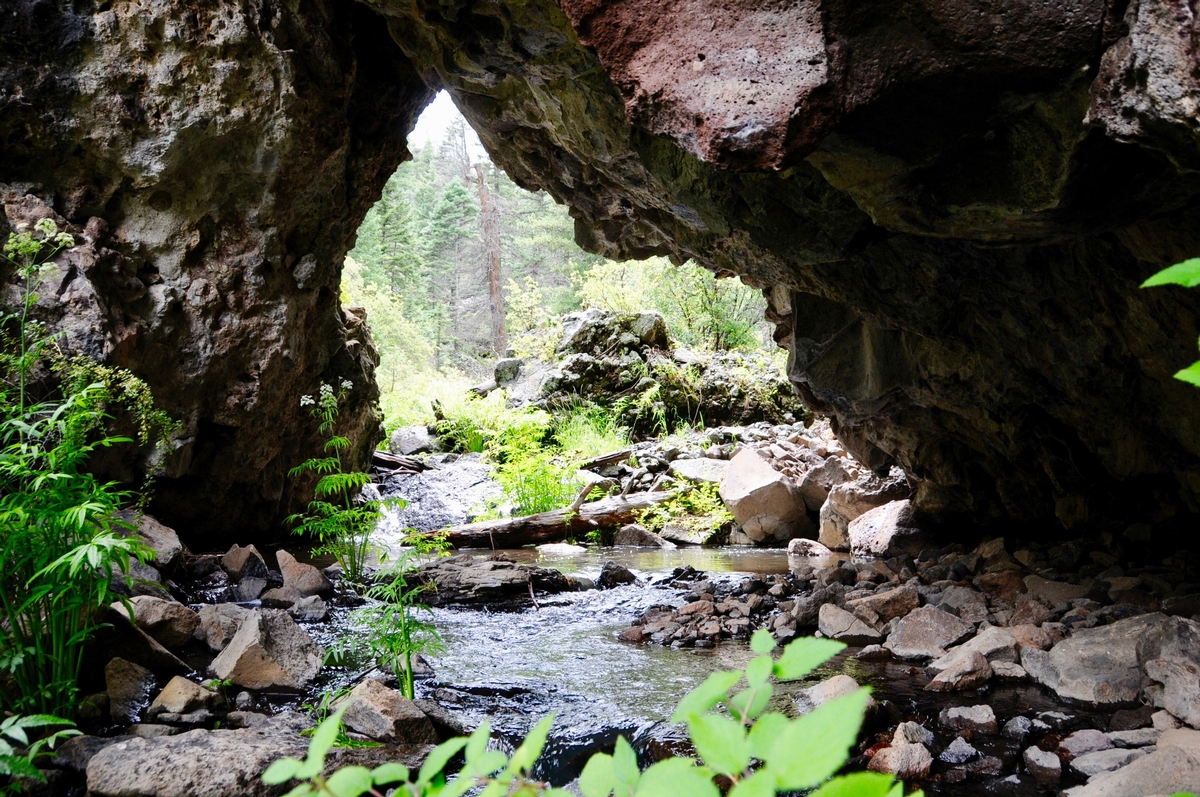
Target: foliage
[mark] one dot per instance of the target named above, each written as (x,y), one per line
(761,753)
(1186,274)
(342,524)
(61,539)
(536,482)
(699,508)
(18,755)
(487,425)
(587,431)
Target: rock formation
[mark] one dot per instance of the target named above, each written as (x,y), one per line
(949,206)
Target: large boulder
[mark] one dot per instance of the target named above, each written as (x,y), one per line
(241,562)
(926,633)
(849,500)
(269,651)
(160,539)
(763,501)
(219,623)
(302,578)
(170,623)
(383,714)
(129,687)
(886,531)
(409,440)
(704,470)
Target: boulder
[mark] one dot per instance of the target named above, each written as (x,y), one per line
(170,623)
(843,626)
(702,470)
(1166,771)
(409,440)
(279,598)
(247,562)
(1054,592)
(162,540)
(969,671)
(385,715)
(302,578)
(181,696)
(807,548)
(1083,742)
(890,604)
(849,500)
(886,531)
(309,610)
(506,370)
(636,536)
(926,633)
(912,733)
(1045,767)
(994,644)
(809,699)
(1170,653)
(614,575)
(467,579)
(219,623)
(762,500)
(1090,764)
(979,719)
(818,475)
(959,751)
(905,761)
(269,651)
(129,687)
(675,533)
(968,604)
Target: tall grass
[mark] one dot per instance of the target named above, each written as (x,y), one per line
(589,431)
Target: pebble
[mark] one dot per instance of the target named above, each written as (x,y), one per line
(1045,767)
(960,751)
(980,719)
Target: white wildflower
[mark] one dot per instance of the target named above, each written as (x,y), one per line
(306,401)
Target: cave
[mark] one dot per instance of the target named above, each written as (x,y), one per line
(949,205)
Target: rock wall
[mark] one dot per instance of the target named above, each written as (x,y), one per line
(215,160)
(949,204)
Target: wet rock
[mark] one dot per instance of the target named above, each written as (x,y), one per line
(702,469)
(409,440)
(912,733)
(843,626)
(249,588)
(1018,728)
(905,761)
(926,633)
(244,562)
(886,531)
(385,715)
(219,623)
(807,700)
(893,603)
(199,763)
(496,582)
(637,536)
(269,651)
(309,610)
(1166,771)
(969,671)
(162,540)
(959,751)
(1084,742)
(807,548)
(979,719)
(1090,764)
(302,578)
(634,635)
(1094,665)
(129,687)
(762,500)
(170,623)
(614,575)
(850,500)
(181,696)
(994,644)
(1045,767)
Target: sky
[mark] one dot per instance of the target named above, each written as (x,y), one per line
(432,123)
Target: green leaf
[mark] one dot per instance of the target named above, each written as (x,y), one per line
(1191,374)
(765,732)
(762,641)
(625,767)
(281,771)
(597,779)
(557,793)
(350,782)
(713,690)
(488,762)
(859,784)
(302,790)
(439,757)
(675,777)
(760,784)
(721,742)
(816,745)
(527,754)
(323,738)
(389,773)
(805,655)
(1186,274)
(477,742)
(759,670)
(749,703)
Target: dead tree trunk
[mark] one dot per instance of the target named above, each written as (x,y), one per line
(491,244)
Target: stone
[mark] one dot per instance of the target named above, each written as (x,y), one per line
(1164,772)
(1009,670)
(181,696)
(1054,592)
(409,440)
(1004,585)
(279,598)
(849,500)
(969,671)
(1045,767)
(1164,721)
(269,651)
(309,610)
(1090,764)
(303,578)
(634,635)
(993,643)
(636,536)
(1084,742)
(926,633)
(843,626)
(614,575)
(129,687)
(806,700)
(118,637)
(467,579)
(959,751)
(1140,737)
(247,562)
(979,719)
(385,715)
(170,623)
(1174,685)
(761,499)
(506,370)
(1030,636)
(905,761)
(701,470)
(143,730)
(1018,728)
(249,588)
(886,531)
(891,604)
(968,604)
(162,540)
(807,548)
(219,623)
(817,475)
(912,733)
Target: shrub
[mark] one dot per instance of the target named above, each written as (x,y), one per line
(588,431)
(697,509)
(537,483)
(487,425)
(1186,274)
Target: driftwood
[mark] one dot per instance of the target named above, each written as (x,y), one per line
(386,461)
(607,459)
(552,526)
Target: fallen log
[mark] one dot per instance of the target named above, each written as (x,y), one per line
(607,459)
(552,526)
(386,461)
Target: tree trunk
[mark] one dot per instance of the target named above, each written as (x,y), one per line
(491,243)
(553,526)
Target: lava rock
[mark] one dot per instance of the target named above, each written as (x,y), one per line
(129,687)
(384,714)
(269,651)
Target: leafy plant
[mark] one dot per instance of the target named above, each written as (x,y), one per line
(341,524)
(537,483)
(589,431)
(487,425)
(1186,274)
(761,753)
(699,508)
(18,755)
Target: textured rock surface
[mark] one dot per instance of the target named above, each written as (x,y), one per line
(269,651)
(950,207)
